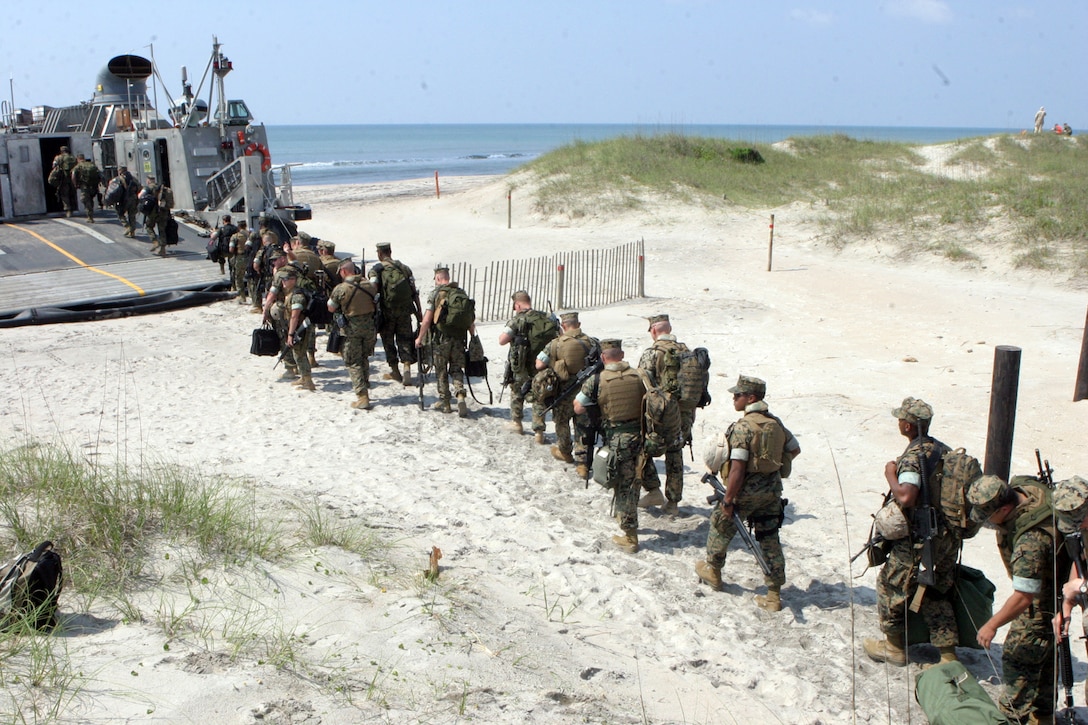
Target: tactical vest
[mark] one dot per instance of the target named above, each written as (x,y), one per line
(768,444)
(569,355)
(360,301)
(619,395)
(667,365)
(311,260)
(1036,514)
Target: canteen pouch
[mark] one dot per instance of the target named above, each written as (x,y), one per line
(265,342)
(336,341)
(604,467)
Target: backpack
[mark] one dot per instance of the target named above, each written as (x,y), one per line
(214,253)
(458,312)
(115,192)
(545,386)
(222,236)
(148,204)
(31,587)
(539,329)
(972,598)
(317,307)
(171,231)
(693,378)
(396,288)
(956,471)
(950,695)
(661,425)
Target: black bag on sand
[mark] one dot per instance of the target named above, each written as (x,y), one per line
(336,341)
(265,342)
(31,588)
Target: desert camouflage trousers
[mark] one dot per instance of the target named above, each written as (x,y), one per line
(238,273)
(359,337)
(897,583)
(517,402)
(627,447)
(1027,665)
(398,338)
(449,363)
(761,500)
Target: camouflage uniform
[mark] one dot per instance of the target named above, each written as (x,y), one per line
(447,351)
(760,500)
(354,298)
(1027,543)
(155,222)
(621,429)
(654,362)
(126,208)
(523,368)
(568,348)
(236,255)
(898,580)
(63,163)
(87,179)
(398,338)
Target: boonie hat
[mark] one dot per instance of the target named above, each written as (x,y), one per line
(985,496)
(913,410)
(748,385)
(656,319)
(1070,502)
(569,317)
(612,343)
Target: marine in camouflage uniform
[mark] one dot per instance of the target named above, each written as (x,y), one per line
(352,302)
(447,349)
(61,179)
(87,178)
(300,334)
(155,222)
(655,362)
(617,393)
(568,355)
(236,256)
(398,336)
(126,208)
(261,248)
(753,488)
(522,364)
(1022,513)
(897,584)
(276,314)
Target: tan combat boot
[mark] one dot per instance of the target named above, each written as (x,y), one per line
(407,376)
(539,437)
(581,471)
(393,374)
(462,406)
(561,455)
(709,574)
(362,402)
(890,650)
(306,383)
(313,360)
(516,427)
(671,508)
(653,497)
(628,541)
(772,602)
(948,654)
(443,405)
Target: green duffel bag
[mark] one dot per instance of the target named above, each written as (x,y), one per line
(973,602)
(950,695)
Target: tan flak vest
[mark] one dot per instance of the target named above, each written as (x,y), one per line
(569,355)
(360,300)
(619,394)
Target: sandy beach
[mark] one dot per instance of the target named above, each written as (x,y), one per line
(535,617)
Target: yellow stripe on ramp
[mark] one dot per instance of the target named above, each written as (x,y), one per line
(77,260)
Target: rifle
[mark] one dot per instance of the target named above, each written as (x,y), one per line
(877,540)
(742,529)
(419,371)
(1075,548)
(1046,473)
(591,430)
(925,525)
(593,366)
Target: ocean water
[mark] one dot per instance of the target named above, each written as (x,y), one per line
(364,154)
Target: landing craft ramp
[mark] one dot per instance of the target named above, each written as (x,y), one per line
(66,270)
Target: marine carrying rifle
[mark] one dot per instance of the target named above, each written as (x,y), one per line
(593,366)
(742,529)
(925,526)
(1074,546)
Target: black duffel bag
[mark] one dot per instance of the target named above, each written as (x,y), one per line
(336,341)
(265,342)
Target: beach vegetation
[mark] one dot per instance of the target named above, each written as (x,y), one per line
(1003,190)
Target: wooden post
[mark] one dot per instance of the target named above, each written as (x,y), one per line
(437,193)
(1080,392)
(642,269)
(1002,421)
(770,245)
(560,278)
(509,209)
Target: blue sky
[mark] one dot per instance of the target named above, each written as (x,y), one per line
(974,63)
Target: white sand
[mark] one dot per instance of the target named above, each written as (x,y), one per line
(535,617)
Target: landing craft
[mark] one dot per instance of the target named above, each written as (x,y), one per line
(54,268)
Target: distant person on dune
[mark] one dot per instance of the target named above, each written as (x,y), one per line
(1040,117)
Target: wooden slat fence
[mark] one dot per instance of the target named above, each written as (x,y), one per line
(579,280)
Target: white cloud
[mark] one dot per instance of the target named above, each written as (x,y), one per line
(928,11)
(811,17)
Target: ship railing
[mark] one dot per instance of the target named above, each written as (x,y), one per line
(224,183)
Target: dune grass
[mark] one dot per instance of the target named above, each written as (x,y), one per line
(863,189)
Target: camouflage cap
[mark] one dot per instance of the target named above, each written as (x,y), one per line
(612,343)
(383,246)
(747,385)
(300,267)
(569,318)
(326,244)
(656,319)
(985,496)
(1070,503)
(289,272)
(304,237)
(913,410)
(520,296)
(276,253)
